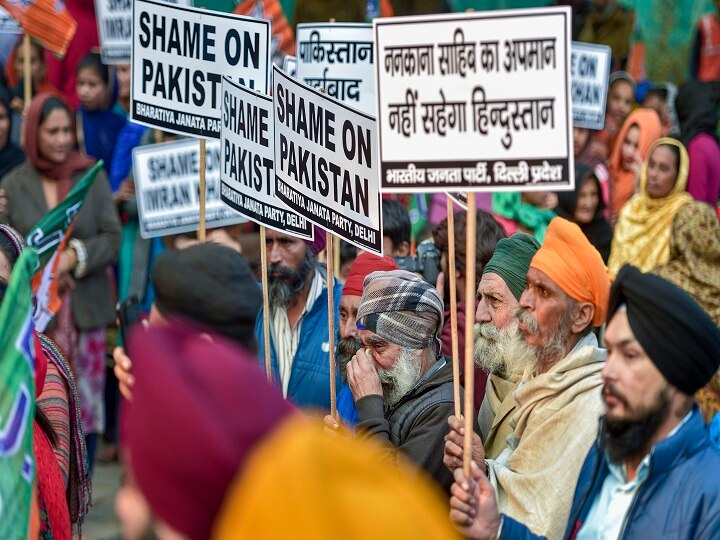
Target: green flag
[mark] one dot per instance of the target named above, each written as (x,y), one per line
(49,231)
(17,400)
(418,212)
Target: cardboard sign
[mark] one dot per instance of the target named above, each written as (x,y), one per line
(590,71)
(114,19)
(475,101)
(179,55)
(247,176)
(290,65)
(8,25)
(325,162)
(167,182)
(338,57)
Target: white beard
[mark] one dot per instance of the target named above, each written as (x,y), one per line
(401,377)
(503,352)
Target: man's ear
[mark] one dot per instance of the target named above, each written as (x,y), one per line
(582,317)
(403,249)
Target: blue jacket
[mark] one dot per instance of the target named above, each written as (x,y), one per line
(680,499)
(309,386)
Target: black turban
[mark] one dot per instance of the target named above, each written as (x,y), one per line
(677,334)
(211,285)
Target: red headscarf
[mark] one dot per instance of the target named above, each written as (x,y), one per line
(59,172)
(366,263)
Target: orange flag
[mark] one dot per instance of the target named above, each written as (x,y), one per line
(283,38)
(46,21)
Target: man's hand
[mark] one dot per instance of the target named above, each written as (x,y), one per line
(363,377)
(123,372)
(125,191)
(332,426)
(473,508)
(221,237)
(68,261)
(453,458)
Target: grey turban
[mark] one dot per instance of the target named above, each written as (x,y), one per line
(402,308)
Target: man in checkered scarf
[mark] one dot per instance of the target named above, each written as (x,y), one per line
(402,387)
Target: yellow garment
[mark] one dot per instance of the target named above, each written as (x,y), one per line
(496,411)
(642,233)
(302,483)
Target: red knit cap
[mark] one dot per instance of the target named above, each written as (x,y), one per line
(366,263)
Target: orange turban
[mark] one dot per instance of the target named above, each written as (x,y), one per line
(570,260)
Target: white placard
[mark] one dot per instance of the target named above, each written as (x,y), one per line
(167,182)
(179,55)
(114,19)
(326,162)
(589,71)
(8,25)
(290,65)
(338,57)
(475,101)
(247,176)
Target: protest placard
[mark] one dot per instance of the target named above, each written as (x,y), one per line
(179,55)
(589,71)
(290,65)
(247,176)
(475,101)
(325,162)
(338,57)
(168,188)
(114,19)
(8,25)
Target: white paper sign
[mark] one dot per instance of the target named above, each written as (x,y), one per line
(590,71)
(167,182)
(326,162)
(290,65)
(338,57)
(8,25)
(247,176)
(475,101)
(179,55)
(114,18)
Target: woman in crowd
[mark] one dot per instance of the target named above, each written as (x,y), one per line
(63,489)
(528,212)
(620,101)
(642,234)
(34,188)
(10,154)
(696,106)
(638,132)
(585,206)
(98,124)
(694,265)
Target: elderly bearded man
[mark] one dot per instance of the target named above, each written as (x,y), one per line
(558,398)
(402,386)
(653,472)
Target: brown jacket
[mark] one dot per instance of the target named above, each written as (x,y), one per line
(97,225)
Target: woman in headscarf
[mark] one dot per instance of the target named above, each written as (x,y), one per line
(14,69)
(694,266)
(642,234)
(696,106)
(641,128)
(585,206)
(53,166)
(10,154)
(63,492)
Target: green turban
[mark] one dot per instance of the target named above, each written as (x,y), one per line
(511,261)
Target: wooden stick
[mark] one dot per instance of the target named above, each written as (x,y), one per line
(201,229)
(27,71)
(336,253)
(469,333)
(452,281)
(331,320)
(266,303)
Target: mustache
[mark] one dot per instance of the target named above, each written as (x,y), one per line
(277,271)
(531,325)
(609,389)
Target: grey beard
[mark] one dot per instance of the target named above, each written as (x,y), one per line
(502,352)
(402,377)
(346,349)
(554,350)
(286,288)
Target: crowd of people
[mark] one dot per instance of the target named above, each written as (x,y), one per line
(596,406)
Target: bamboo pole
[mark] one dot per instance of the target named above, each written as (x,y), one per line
(331,320)
(469,337)
(452,281)
(266,303)
(201,228)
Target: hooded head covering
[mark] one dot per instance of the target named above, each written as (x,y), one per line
(211,285)
(302,480)
(364,264)
(598,231)
(622,76)
(511,261)
(622,182)
(642,233)
(510,206)
(10,155)
(402,308)
(696,106)
(570,260)
(317,244)
(678,336)
(198,409)
(58,172)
